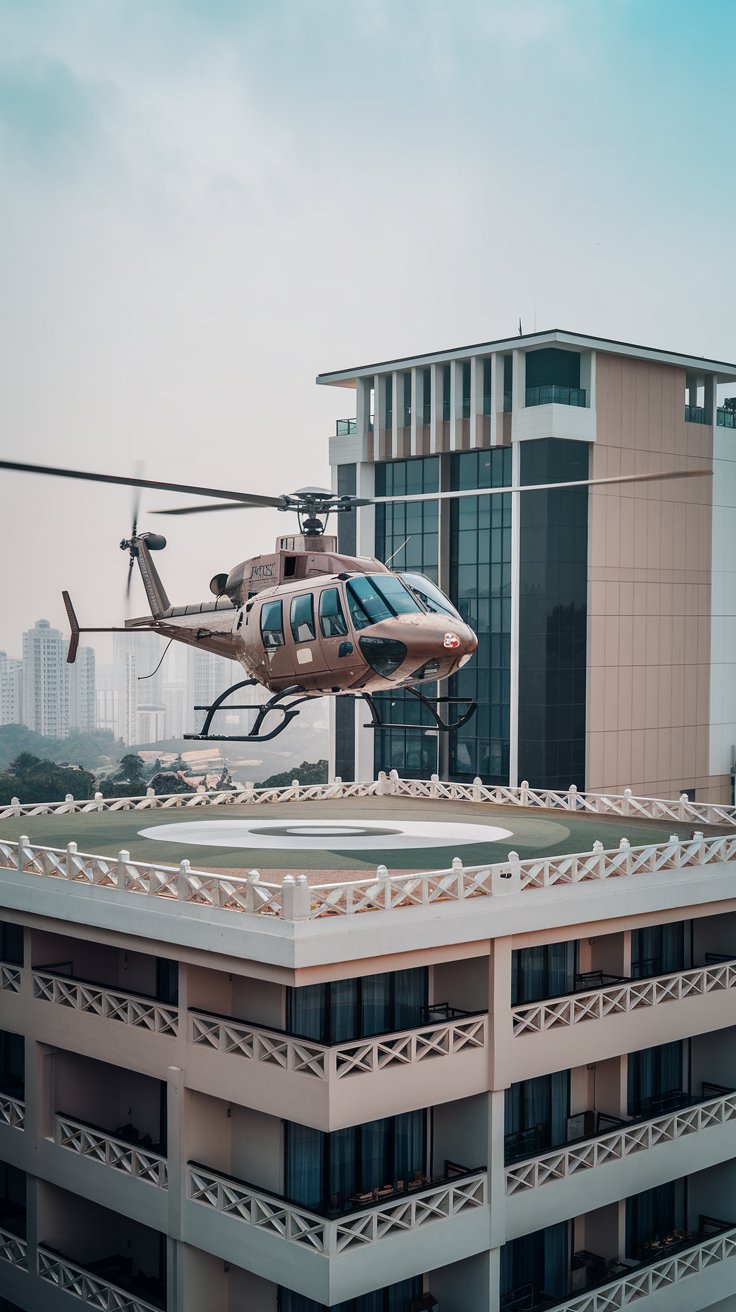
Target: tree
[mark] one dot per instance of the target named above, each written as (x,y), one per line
(131,770)
(31,779)
(309,772)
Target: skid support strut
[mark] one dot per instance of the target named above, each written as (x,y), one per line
(288,710)
(430,704)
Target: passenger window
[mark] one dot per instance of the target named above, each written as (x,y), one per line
(272,625)
(302,618)
(331,618)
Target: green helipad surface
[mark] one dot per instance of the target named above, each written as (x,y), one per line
(533,833)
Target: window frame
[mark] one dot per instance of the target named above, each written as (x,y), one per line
(294,628)
(276,604)
(340,611)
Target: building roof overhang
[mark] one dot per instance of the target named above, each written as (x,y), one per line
(720,369)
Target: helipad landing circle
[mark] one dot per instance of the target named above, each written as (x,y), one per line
(326,834)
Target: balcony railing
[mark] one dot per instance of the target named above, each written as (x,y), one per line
(555,1013)
(308,1229)
(641,1281)
(13,1250)
(345,427)
(128,1008)
(635,1137)
(725,418)
(12,1111)
(697,414)
(338,1061)
(10,977)
(119,1154)
(555,394)
(88,1287)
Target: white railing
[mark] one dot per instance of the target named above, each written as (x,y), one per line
(97,1146)
(88,1288)
(12,1111)
(617,804)
(650,1279)
(338,1060)
(13,1249)
(571,1159)
(128,1008)
(10,977)
(296,899)
(536,1017)
(300,1226)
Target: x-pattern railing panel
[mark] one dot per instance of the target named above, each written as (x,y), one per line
(12,1111)
(650,1279)
(535,1018)
(128,1008)
(571,1159)
(139,1163)
(359,1057)
(89,1288)
(299,1226)
(13,1250)
(10,977)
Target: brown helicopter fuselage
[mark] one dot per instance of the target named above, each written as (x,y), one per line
(303,632)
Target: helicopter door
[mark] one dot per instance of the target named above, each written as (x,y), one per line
(338,642)
(308,656)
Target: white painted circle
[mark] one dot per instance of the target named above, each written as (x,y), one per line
(324,834)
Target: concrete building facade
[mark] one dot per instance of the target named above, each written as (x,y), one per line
(503,1087)
(605,613)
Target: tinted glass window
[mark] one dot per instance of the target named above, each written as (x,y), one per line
(430,595)
(302,618)
(272,624)
(373,598)
(331,618)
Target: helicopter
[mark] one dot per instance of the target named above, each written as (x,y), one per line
(306,620)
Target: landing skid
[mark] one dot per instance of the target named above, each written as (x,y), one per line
(430,704)
(287,710)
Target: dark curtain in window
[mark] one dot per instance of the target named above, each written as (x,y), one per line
(545,971)
(12,1063)
(349,1009)
(11,943)
(657,950)
(541,1259)
(324,1170)
(652,1215)
(541,1105)
(654,1074)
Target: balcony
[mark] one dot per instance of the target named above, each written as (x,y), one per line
(131,1009)
(336,1085)
(678,1257)
(13,1249)
(725,418)
(555,394)
(697,414)
(94,1284)
(12,1111)
(274,1237)
(346,427)
(132,1154)
(682,1126)
(701,999)
(10,977)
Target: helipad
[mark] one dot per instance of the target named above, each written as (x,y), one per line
(347,835)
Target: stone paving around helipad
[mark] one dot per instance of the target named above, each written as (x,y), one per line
(430,833)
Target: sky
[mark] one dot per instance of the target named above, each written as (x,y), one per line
(205,203)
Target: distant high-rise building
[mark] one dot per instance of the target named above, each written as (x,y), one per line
(81,692)
(45,684)
(11,690)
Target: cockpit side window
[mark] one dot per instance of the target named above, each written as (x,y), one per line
(376,597)
(302,618)
(332,620)
(430,595)
(272,625)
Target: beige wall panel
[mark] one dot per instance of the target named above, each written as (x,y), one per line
(649,599)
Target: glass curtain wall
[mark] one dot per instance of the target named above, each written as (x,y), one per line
(394,1298)
(480,586)
(408,531)
(347,1009)
(553,589)
(541,1259)
(327,1171)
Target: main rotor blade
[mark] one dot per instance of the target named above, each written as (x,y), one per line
(544,487)
(199,510)
(243,498)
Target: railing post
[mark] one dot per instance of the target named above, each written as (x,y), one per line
(572,797)
(251,903)
(248,790)
(183,885)
(506,877)
(121,877)
(287,897)
(682,806)
(433,782)
(385,879)
(151,796)
(301,898)
(15,803)
(477,789)
(71,852)
(625,847)
(69,802)
(24,853)
(383,784)
(699,838)
(524,793)
(600,862)
(626,808)
(457,870)
(394,783)
(99,800)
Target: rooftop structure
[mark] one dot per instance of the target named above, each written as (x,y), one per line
(505,1082)
(604,612)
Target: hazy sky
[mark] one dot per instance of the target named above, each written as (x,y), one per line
(204,203)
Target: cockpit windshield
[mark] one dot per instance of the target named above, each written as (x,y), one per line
(376,597)
(430,596)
